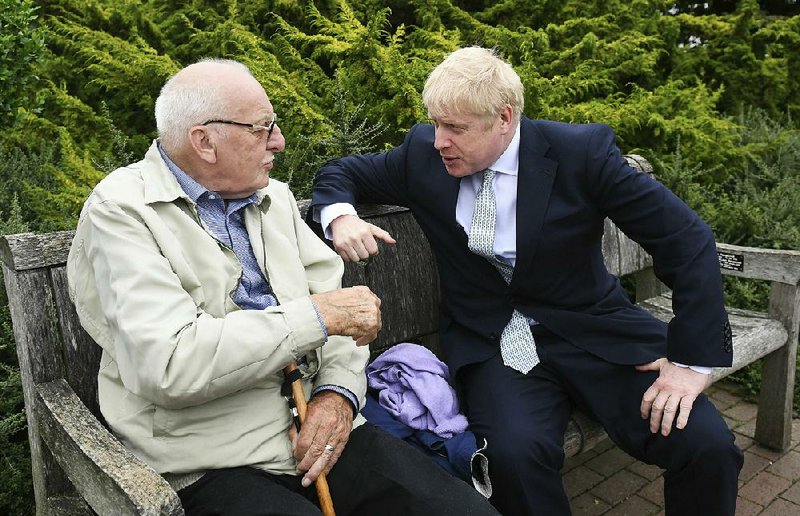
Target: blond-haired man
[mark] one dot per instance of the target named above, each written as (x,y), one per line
(532,323)
(199,279)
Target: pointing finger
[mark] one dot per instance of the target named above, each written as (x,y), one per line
(383,234)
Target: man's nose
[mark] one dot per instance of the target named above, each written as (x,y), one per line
(276,142)
(441,140)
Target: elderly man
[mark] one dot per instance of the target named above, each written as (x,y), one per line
(197,276)
(532,322)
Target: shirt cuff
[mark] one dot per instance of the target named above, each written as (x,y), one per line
(341,390)
(321,322)
(695,368)
(326,214)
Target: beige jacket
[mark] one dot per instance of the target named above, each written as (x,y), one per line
(187,380)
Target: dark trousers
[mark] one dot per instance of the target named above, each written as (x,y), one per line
(376,474)
(524,417)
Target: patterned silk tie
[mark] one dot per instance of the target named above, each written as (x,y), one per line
(516,344)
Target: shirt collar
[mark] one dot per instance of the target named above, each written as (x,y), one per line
(508,162)
(191,187)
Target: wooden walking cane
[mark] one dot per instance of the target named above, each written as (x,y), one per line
(299,396)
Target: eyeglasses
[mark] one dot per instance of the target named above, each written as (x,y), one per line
(254,128)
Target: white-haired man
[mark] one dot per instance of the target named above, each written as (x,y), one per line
(532,323)
(199,279)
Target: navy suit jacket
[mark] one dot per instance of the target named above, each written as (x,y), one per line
(571,177)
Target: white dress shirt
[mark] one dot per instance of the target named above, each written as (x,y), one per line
(505,188)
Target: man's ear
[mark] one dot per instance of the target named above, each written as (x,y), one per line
(203,143)
(507,119)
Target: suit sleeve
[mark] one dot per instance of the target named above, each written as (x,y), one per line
(681,244)
(376,178)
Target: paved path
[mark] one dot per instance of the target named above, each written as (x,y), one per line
(607,481)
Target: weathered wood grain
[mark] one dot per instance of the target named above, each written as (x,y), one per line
(582,434)
(632,257)
(68,506)
(774,421)
(81,353)
(406,315)
(36,332)
(765,264)
(410,293)
(25,251)
(111,479)
(640,163)
(610,245)
(647,285)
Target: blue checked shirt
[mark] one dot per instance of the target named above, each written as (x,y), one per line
(226,223)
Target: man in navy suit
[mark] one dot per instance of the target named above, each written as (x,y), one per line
(532,323)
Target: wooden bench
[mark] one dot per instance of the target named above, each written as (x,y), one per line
(78,464)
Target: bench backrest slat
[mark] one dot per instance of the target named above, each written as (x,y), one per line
(81,354)
(25,251)
(405,278)
(31,302)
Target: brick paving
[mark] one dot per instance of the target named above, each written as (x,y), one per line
(605,481)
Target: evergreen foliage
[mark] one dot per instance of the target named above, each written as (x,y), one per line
(21,45)
(16,490)
(709,92)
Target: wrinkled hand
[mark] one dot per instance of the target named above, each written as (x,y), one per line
(354,312)
(329,420)
(672,394)
(354,239)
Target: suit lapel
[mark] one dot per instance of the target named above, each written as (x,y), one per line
(534,185)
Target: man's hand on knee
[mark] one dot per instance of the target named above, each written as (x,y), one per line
(671,397)
(354,312)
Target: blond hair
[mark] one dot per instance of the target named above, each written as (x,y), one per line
(476,81)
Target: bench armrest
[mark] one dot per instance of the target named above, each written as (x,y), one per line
(109,477)
(778,265)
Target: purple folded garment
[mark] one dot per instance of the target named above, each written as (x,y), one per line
(412,386)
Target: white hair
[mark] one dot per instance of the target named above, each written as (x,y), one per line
(186,102)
